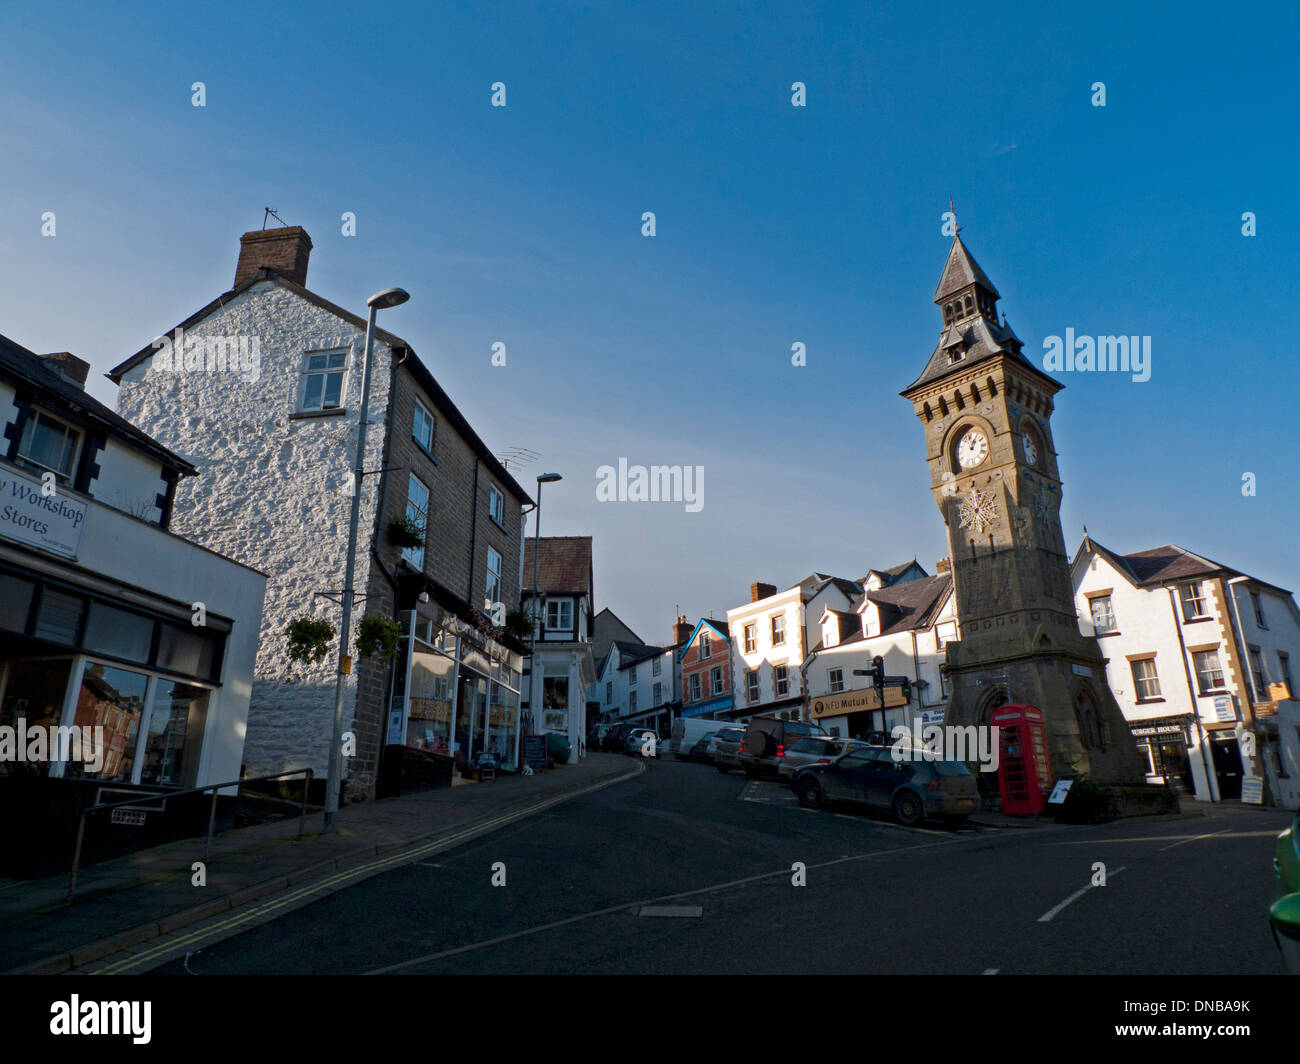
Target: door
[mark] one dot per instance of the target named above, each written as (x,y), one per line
(846,779)
(1227,767)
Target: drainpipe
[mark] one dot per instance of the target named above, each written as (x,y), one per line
(1211,781)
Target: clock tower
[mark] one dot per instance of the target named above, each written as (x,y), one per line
(986,411)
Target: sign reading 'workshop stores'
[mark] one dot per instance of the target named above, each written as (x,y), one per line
(50,522)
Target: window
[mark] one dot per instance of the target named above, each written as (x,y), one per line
(944,688)
(493,589)
(322,380)
(715,681)
(778,630)
(559,615)
(1209,674)
(496,505)
(751,686)
(118,632)
(1103,617)
(835,681)
(1284,671)
(705,648)
(1193,602)
(944,633)
(609,692)
(417,512)
(782,676)
(751,638)
(422,426)
(657,667)
(1145,682)
(631,676)
(1258,680)
(658,694)
(48,445)
(695,687)
(631,702)
(1258,603)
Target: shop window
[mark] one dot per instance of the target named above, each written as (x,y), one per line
(33,692)
(187,651)
(58,618)
(111,701)
(15,602)
(119,633)
(175,736)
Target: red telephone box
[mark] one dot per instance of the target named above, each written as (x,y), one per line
(1024,771)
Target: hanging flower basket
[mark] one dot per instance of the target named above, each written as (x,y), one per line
(377,637)
(309,638)
(405,533)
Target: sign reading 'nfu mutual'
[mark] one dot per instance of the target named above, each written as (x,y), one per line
(52,522)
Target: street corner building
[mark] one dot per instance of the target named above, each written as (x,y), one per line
(261,389)
(112,626)
(986,411)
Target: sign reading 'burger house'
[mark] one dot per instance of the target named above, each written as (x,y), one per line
(52,522)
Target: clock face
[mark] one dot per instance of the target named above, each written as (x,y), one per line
(972,450)
(1030,447)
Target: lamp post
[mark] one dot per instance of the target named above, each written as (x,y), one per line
(543,478)
(389,297)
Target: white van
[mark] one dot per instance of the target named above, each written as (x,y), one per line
(687,731)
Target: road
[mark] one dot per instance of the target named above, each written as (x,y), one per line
(1183,896)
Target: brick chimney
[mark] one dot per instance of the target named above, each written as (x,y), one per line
(284,250)
(943,565)
(682,630)
(761,591)
(68,366)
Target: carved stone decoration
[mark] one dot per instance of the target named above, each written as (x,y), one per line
(977,511)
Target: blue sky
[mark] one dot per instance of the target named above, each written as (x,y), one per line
(775,224)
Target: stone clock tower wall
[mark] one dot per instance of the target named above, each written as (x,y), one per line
(986,411)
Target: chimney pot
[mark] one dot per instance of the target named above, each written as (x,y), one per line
(284,250)
(68,366)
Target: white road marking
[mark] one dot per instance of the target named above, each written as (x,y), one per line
(626,906)
(671,910)
(1208,835)
(1074,897)
(989,971)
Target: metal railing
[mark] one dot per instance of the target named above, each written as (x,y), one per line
(215,788)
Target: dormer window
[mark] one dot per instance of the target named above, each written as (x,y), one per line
(49,446)
(955,354)
(830,634)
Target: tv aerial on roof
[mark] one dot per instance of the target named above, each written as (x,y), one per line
(518,455)
(270,213)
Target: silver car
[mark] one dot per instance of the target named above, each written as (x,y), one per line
(814,749)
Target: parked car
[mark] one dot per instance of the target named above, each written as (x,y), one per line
(613,740)
(766,741)
(687,730)
(1284,915)
(641,742)
(912,790)
(700,751)
(814,749)
(726,744)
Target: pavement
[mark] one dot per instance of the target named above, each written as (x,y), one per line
(123,904)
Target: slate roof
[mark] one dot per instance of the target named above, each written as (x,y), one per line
(961,270)
(60,394)
(912,605)
(631,653)
(1170,563)
(563,564)
(893,572)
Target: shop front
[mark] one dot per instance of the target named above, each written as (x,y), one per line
(1163,745)
(455,701)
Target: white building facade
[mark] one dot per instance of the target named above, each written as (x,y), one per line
(1199,657)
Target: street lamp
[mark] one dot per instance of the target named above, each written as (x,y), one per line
(542,478)
(389,297)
